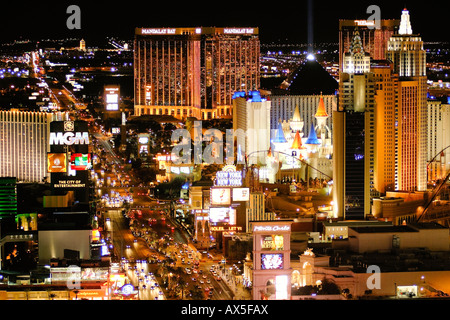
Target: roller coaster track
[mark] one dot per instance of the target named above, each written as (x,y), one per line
(437,154)
(425,216)
(441,216)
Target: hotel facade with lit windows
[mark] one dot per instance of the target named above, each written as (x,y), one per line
(396,110)
(24,144)
(438,139)
(354,135)
(405,50)
(193,72)
(374,39)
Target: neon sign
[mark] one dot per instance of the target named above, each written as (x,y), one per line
(69,138)
(69,184)
(159,31)
(272,228)
(80,161)
(127,289)
(225,228)
(365,23)
(112,98)
(229,177)
(238,30)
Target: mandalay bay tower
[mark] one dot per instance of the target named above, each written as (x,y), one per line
(193,72)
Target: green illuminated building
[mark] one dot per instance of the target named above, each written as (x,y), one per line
(8,196)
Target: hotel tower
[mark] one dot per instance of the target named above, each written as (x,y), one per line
(354,135)
(374,38)
(24,143)
(193,72)
(406,52)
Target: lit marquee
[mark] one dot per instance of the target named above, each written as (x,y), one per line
(365,23)
(158,31)
(229,177)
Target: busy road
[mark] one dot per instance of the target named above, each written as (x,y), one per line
(143,234)
(155,253)
(198,269)
(152,238)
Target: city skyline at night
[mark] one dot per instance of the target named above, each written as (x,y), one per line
(226,152)
(287,22)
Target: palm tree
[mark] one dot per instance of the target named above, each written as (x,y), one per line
(183,285)
(196,293)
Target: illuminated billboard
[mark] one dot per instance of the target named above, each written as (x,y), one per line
(143,142)
(95,235)
(56,162)
(148,94)
(241,194)
(271,261)
(220,196)
(217,215)
(71,137)
(112,98)
(222,215)
(272,242)
(117,280)
(80,161)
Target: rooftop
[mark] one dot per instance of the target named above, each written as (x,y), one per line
(311,78)
(312,138)
(384,229)
(410,227)
(357,223)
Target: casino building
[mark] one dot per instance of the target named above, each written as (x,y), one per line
(24,137)
(193,72)
(374,38)
(271,260)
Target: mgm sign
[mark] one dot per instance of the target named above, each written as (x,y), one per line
(69,141)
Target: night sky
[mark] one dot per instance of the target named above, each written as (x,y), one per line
(284,21)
